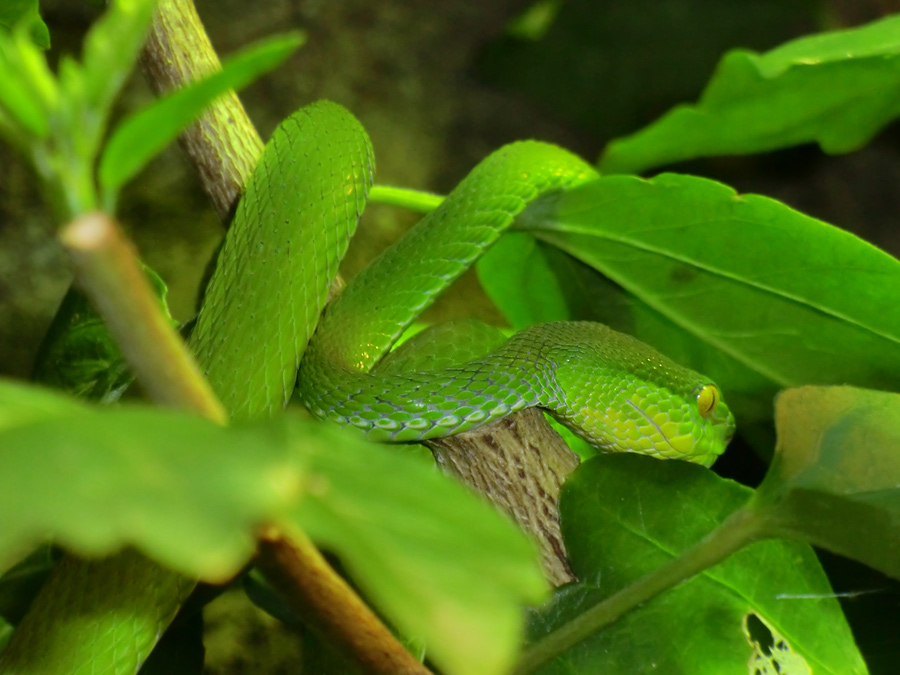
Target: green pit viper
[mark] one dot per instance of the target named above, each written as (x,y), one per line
(263,306)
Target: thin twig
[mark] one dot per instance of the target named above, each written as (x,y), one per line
(299,572)
(107,269)
(414,200)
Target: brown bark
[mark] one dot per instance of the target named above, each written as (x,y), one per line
(223,143)
(314,590)
(519,463)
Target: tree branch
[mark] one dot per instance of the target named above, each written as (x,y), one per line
(519,463)
(299,572)
(223,143)
(107,269)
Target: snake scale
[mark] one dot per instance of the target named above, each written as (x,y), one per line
(262,308)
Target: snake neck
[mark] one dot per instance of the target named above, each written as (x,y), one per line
(420,405)
(612,390)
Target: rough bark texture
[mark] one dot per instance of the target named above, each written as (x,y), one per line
(223,144)
(519,463)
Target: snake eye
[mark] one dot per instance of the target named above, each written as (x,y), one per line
(707,400)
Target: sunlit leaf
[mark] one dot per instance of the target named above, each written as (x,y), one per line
(836,89)
(441,564)
(835,479)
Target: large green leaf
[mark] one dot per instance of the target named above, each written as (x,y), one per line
(139,138)
(775,290)
(835,480)
(837,89)
(393,550)
(440,563)
(625,515)
(184,490)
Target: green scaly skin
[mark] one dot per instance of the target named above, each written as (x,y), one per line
(261,308)
(612,390)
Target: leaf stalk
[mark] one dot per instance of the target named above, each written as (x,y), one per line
(742,527)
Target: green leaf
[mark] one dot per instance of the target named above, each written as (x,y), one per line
(139,138)
(456,587)
(440,563)
(623,516)
(21,406)
(15,12)
(518,278)
(185,491)
(27,88)
(835,479)
(79,356)
(110,51)
(774,290)
(836,89)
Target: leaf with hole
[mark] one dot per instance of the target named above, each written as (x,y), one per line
(625,515)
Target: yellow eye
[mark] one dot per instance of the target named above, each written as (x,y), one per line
(707,400)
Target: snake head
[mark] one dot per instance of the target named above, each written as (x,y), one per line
(621,395)
(653,420)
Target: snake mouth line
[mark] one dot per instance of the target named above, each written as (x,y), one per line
(654,425)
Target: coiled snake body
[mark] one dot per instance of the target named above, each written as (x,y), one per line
(263,305)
